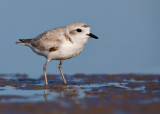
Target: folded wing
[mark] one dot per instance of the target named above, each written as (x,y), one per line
(48,39)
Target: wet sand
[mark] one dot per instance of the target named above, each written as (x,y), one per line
(84,94)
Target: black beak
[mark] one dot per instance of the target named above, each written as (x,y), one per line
(93,36)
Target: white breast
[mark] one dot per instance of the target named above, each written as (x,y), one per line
(66,50)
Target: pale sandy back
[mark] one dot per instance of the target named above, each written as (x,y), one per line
(48,39)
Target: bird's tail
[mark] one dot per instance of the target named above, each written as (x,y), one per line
(23,41)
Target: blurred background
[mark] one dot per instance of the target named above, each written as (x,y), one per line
(128,31)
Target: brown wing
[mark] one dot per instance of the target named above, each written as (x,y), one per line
(48,39)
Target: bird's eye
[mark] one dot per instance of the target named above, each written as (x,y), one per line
(79,30)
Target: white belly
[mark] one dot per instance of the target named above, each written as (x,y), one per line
(65,51)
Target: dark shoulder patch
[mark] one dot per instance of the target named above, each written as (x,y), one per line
(53,49)
(67,38)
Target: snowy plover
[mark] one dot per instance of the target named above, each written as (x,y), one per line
(60,43)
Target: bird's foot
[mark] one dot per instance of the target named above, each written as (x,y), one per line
(65,83)
(46,85)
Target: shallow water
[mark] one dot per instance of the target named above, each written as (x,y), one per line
(38,95)
(81,89)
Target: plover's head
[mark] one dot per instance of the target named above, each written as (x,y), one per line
(79,31)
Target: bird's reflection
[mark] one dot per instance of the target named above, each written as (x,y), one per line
(61,95)
(45,96)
